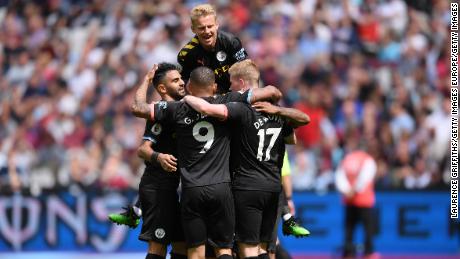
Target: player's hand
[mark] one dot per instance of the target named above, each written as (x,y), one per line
(151,74)
(266,107)
(277,93)
(168,162)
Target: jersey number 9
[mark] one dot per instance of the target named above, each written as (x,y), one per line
(203,131)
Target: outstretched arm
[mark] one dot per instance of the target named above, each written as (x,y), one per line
(268,93)
(294,116)
(200,105)
(140,107)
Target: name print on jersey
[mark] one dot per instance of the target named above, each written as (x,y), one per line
(261,121)
(198,116)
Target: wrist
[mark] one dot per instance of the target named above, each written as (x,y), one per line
(289,198)
(154,157)
(278,110)
(148,80)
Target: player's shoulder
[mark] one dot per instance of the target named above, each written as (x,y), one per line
(226,97)
(163,105)
(241,106)
(189,48)
(228,38)
(226,35)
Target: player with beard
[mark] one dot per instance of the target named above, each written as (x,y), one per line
(219,50)
(206,198)
(210,47)
(259,147)
(158,198)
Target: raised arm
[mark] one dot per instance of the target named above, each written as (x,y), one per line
(294,116)
(268,93)
(140,107)
(200,105)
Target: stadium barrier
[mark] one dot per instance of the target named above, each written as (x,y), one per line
(77,221)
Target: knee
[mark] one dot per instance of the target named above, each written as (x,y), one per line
(157,248)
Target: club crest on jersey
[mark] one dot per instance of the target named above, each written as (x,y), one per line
(240,55)
(156,129)
(160,233)
(162,105)
(221,56)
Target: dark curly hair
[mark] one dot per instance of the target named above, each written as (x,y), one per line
(163,69)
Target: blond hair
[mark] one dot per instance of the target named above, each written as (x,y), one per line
(200,11)
(246,70)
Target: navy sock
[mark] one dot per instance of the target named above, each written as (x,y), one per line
(178,256)
(225,257)
(263,256)
(154,256)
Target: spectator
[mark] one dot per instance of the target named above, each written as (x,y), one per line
(355,181)
(373,69)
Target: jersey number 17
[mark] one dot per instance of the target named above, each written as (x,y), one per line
(274,132)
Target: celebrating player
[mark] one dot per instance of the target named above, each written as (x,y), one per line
(210,47)
(261,139)
(158,187)
(206,199)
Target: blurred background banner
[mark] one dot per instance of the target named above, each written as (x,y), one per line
(407,222)
(66,221)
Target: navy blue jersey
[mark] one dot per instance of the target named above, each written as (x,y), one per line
(228,51)
(258,148)
(163,139)
(203,141)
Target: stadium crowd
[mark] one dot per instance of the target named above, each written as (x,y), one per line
(370,73)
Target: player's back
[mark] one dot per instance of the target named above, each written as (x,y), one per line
(257,149)
(203,145)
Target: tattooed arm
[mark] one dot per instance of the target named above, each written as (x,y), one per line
(295,117)
(202,106)
(140,107)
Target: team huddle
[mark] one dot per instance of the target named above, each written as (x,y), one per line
(222,139)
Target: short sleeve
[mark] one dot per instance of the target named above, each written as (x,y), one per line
(164,111)
(237,50)
(151,130)
(187,66)
(286,169)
